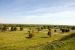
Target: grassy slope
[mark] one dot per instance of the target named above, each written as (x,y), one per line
(16,40)
(66,43)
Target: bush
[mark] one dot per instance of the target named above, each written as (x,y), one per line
(15,28)
(21,28)
(4,28)
(73,28)
(65,30)
(54,30)
(67,37)
(12,28)
(29,34)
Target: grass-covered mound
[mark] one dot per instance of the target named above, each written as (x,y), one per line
(16,40)
(65,43)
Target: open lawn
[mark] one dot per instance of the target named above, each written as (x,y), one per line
(65,43)
(16,40)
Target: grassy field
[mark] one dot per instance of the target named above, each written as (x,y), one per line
(65,43)
(16,40)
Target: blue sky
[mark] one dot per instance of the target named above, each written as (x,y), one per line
(60,12)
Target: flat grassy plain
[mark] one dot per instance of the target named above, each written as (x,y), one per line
(16,40)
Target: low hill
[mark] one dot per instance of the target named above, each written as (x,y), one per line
(65,43)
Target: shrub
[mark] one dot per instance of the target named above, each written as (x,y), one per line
(73,28)
(49,33)
(29,34)
(15,28)
(21,28)
(67,37)
(4,28)
(12,28)
(65,30)
(54,30)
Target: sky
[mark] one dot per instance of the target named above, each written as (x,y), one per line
(57,12)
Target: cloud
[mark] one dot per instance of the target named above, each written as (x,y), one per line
(58,14)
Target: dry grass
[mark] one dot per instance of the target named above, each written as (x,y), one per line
(16,40)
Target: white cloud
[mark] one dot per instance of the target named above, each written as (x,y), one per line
(64,14)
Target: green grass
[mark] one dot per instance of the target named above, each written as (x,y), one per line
(16,40)
(65,43)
